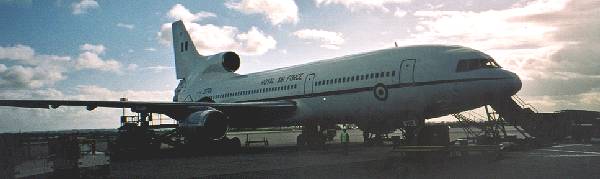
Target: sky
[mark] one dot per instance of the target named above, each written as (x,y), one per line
(104,50)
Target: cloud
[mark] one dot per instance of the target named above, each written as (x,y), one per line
(179,12)
(552,45)
(132,67)
(519,45)
(255,42)
(150,49)
(578,29)
(400,13)
(83,6)
(589,100)
(276,11)
(90,59)
(30,70)
(330,40)
(158,68)
(18,52)
(210,39)
(19,76)
(361,4)
(97,49)
(127,26)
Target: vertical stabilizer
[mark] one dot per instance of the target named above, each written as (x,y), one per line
(187,57)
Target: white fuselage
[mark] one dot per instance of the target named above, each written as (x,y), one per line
(390,84)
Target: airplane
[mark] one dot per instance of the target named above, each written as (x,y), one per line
(378,91)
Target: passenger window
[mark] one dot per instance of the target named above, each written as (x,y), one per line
(387,74)
(372,75)
(352,79)
(376,75)
(381,74)
(394,73)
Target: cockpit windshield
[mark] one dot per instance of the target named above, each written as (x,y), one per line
(473,64)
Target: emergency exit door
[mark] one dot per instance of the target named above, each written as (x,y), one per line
(407,71)
(309,83)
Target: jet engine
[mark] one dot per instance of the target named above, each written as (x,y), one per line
(209,123)
(224,62)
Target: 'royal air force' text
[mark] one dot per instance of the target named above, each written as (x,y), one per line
(289,78)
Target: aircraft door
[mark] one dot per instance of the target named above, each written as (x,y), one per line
(309,83)
(407,71)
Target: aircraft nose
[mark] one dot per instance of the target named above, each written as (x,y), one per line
(514,83)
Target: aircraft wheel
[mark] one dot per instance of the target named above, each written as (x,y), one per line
(235,144)
(300,140)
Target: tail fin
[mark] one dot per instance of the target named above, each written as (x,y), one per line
(186,56)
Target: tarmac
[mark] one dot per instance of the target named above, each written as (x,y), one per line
(282,160)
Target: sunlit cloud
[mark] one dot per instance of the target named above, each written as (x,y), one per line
(276,11)
(127,26)
(210,39)
(360,4)
(179,12)
(517,44)
(84,6)
(330,40)
(90,59)
(31,70)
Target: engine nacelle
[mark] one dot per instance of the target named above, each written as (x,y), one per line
(210,123)
(224,62)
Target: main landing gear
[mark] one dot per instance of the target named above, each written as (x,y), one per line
(207,145)
(315,134)
(138,139)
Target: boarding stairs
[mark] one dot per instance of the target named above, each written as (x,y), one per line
(519,114)
(466,120)
(511,111)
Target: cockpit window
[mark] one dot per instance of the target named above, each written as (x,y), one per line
(473,64)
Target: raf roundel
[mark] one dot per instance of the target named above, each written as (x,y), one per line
(380,92)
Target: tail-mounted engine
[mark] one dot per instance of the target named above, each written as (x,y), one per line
(209,123)
(224,62)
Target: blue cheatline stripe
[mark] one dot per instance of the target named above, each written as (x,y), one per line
(363,89)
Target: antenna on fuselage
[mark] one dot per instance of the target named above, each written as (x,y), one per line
(396,44)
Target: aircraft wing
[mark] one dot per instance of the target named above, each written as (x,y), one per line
(172,109)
